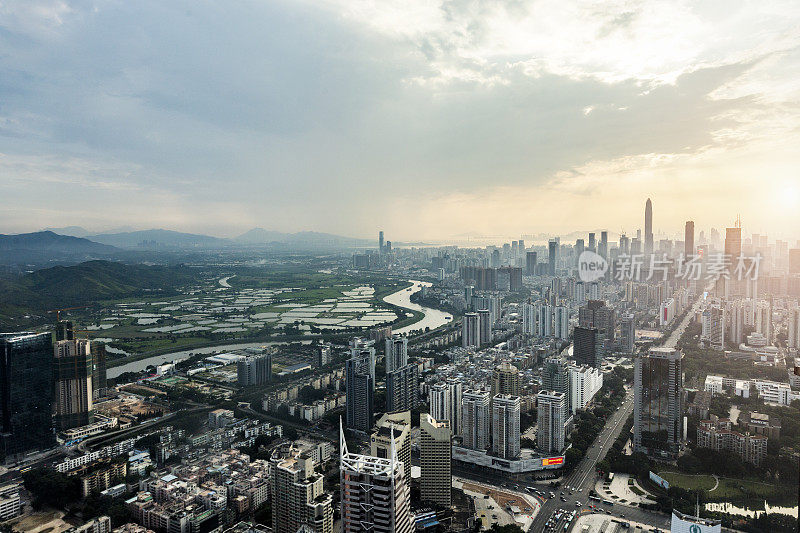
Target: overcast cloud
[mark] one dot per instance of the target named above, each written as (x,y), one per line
(428,119)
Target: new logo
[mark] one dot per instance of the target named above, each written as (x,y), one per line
(591,267)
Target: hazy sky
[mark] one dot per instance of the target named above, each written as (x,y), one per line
(428,119)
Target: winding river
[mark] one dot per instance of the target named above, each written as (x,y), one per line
(433,318)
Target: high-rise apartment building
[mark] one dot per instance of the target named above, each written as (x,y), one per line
(396,352)
(561,322)
(531,259)
(475,419)
(470,332)
(323,355)
(254,370)
(484,326)
(435,459)
(397,425)
(506,380)
(402,388)
(445,403)
(793,339)
(551,421)
(584,383)
(298,498)
(26,392)
(627,333)
(73,372)
(596,314)
(505,426)
(360,387)
(528,319)
(555,374)
(545,326)
(658,404)
(375,497)
(602,248)
(552,256)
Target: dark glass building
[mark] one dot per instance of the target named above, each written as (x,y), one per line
(26,392)
(585,347)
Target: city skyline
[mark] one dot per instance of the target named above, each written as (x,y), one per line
(535,116)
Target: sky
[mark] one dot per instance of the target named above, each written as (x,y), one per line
(431,120)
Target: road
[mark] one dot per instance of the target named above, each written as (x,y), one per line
(575,489)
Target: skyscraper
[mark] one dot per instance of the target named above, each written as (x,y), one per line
(445,403)
(64,331)
(658,404)
(602,248)
(793,339)
(73,384)
(592,243)
(26,397)
(476,419)
(505,426)
(585,347)
(396,352)
(298,498)
(552,256)
(627,333)
(360,386)
(397,426)
(505,380)
(254,370)
(688,239)
(470,332)
(551,420)
(528,319)
(648,227)
(380,242)
(402,388)
(561,322)
(435,459)
(484,326)
(584,383)
(555,374)
(545,327)
(530,263)
(99,380)
(374,494)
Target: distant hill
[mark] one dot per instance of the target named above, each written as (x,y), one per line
(302,239)
(86,283)
(71,231)
(158,238)
(49,246)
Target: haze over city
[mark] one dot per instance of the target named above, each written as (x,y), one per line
(344,116)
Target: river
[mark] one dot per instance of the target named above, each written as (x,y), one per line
(433,319)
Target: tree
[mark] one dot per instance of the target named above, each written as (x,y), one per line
(51,488)
(509,528)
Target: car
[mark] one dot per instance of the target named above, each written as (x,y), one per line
(563,499)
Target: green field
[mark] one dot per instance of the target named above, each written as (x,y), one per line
(727,489)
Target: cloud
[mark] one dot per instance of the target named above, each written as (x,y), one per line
(344,115)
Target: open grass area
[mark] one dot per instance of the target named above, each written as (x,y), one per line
(728,488)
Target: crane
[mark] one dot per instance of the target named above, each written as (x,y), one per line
(58,311)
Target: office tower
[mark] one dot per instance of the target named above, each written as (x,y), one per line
(475,419)
(64,331)
(397,425)
(592,243)
(530,263)
(579,249)
(545,320)
(794,261)
(396,352)
(551,421)
(99,380)
(505,426)
(552,256)
(596,314)
(402,388)
(470,333)
(298,498)
(561,322)
(374,493)
(445,403)
(793,339)
(648,227)
(688,239)
(323,355)
(528,319)
(505,380)
(484,326)
(26,399)
(733,243)
(627,333)
(380,242)
(602,248)
(435,460)
(624,244)
(735,322)
(585,347)
(658,404)
(360,388)
(636,246)
(73,384)
(584,383)
(254,370)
